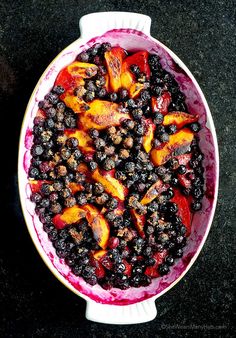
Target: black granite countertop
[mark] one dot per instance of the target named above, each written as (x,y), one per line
(33,303)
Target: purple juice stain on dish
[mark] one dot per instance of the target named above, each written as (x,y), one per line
(130,39)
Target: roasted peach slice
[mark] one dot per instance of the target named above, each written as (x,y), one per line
(139,59)
(161,103)
(139,222)
(83,138)
(156,189)
(95,262)
(180,119)
(99,254)
(77,104)
(135,89)
(41,113)
(65,79)
(82,69)
(149,135)
(68,216)
(98,224)
(102,114)
(114,59)
(83,169)
(183,209)
(75,187)
(111,184)
(69,79)
(128,80)
(178,143)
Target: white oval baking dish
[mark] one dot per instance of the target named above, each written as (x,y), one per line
(130,31)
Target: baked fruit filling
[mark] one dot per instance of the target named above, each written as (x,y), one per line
(116,170)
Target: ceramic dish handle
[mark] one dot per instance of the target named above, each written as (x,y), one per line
(127,314)
(95,24)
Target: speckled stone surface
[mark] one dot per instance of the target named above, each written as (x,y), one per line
(33,303)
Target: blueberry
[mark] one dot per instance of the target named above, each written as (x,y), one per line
(90,85)
(109,164)
(150,261)
(72,142)
(195,127)
(93,133)
(46,188)
(152,207)
(147,251)
(131,103)
(59,244)
(157,90)
(135,69)
(158,118)
(181,169)
(51,112)
(89,96)
(138,244)
(169,260)
(56,208)
(196,205)
(83,57)
(135,281)
(160,130)
(139,130)
(197,193)
(154,61)
(198,156)
(52,98)
(169,193)
(37,150)
(174,181)
(36,197)
(172,207)
(119,268)
(164,137)
(171,129)
(70,122)
(123,93)
(163,269)
(47,227)
(52,235)
(58,90)
(33,172)
(129,167)
(178,253)
(110,216)
(70,261)
(118,221)
(145,95)
(102,93)
(100,156)
(81,198)
(113,97)
(199,170)
(137,113)
(61,253)
(112,204)
(99,143)
(163,207)
(92,165)
(137,270)
(106,46)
